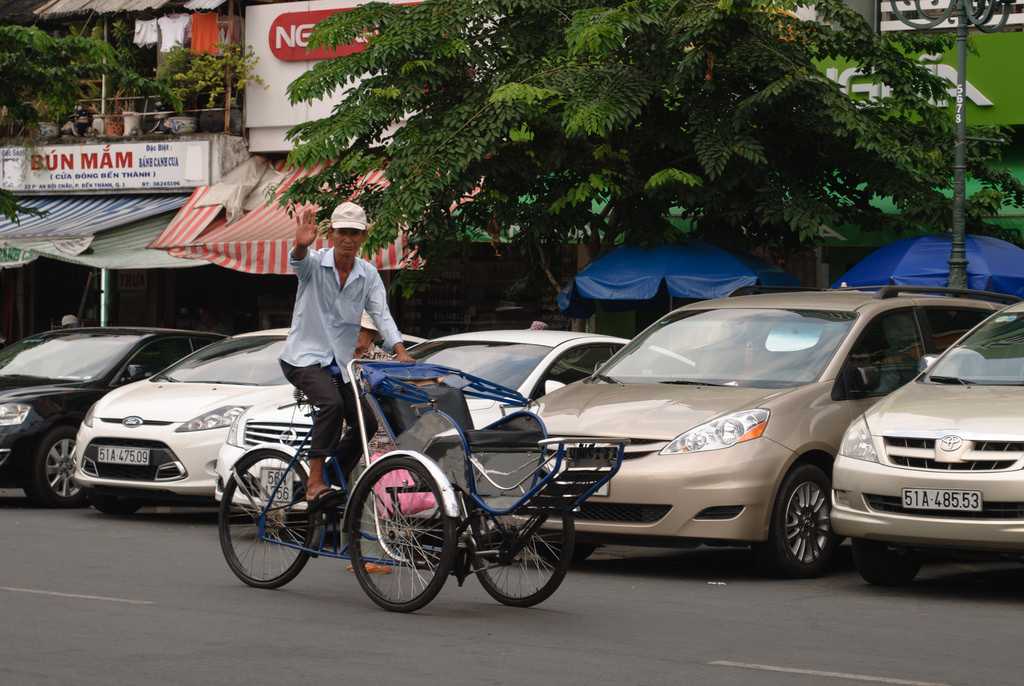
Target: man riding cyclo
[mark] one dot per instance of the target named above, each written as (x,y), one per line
(335,287)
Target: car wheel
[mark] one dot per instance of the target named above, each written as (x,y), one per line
(51,480)
(882,565)
(800,540)
(112,505)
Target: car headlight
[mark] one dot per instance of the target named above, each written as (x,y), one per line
(12,414)
(214,419)
(857,442)
(90,415)
(236,432)
(724,432)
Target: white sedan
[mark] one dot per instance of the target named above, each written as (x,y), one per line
(533,362)
(157,440)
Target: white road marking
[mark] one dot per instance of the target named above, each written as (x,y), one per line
(827,675)
(76,595)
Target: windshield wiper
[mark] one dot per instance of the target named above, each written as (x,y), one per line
(951,380)
(607,379)
(163,377)
(687,382)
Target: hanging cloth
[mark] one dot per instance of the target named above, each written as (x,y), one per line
(204,32)
(172,31)
(146,33)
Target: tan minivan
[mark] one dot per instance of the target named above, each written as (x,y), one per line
(736,408)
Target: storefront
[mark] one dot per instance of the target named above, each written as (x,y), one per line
(99,204)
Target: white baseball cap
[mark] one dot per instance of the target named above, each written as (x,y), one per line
(348,215)
(367,322)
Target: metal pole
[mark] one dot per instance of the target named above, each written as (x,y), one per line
(104,297)
(958,253)
(103,76)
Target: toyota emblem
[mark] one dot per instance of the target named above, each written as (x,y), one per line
(132,421)
(950,444)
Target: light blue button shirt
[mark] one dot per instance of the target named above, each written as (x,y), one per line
(325,322)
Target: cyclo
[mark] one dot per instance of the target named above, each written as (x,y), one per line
(447,500)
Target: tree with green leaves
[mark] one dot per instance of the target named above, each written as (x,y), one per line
(43,73)
(600,122)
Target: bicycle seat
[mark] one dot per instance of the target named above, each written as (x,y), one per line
(334,369)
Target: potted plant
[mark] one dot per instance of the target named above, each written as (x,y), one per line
(217,79)
(176,73)
(46,126)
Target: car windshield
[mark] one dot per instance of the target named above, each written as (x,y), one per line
(245,361)
(82,356)
(507,364)
(759,348)
(991,356)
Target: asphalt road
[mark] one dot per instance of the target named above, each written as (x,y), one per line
(87,598)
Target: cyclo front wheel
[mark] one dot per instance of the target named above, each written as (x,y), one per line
(402,543)
(263,545)
(537,569)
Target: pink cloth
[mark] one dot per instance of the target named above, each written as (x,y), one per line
(408,503)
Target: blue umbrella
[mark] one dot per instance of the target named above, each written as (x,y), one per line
(694,270)
(992,264)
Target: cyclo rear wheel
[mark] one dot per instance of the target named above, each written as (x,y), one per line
(402,543)
(537,570)
(274,559)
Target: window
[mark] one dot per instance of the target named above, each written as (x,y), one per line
(575,364)
(73,356)
(507,364)
(159,354)
(748,347)
(993,355)
(946,325)
(199,342)
(243,361)
(886,355)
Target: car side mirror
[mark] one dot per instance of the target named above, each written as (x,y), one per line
(134,372)
(550,386)
(926,362)
(863,380)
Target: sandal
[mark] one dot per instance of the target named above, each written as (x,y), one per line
(371,568)
(321,499)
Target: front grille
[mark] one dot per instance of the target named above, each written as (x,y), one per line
(992,510)
(274,432)
(998,446)
(145,422)
(160,459)
(622,512)
(973,466)
(913,443)
(720,512)
(982,456)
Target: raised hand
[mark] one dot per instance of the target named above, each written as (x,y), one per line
(306,229)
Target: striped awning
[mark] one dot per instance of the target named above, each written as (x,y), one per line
(80,216)
(259,241)
(56,8)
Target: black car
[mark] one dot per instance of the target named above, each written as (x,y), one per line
(48,382)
